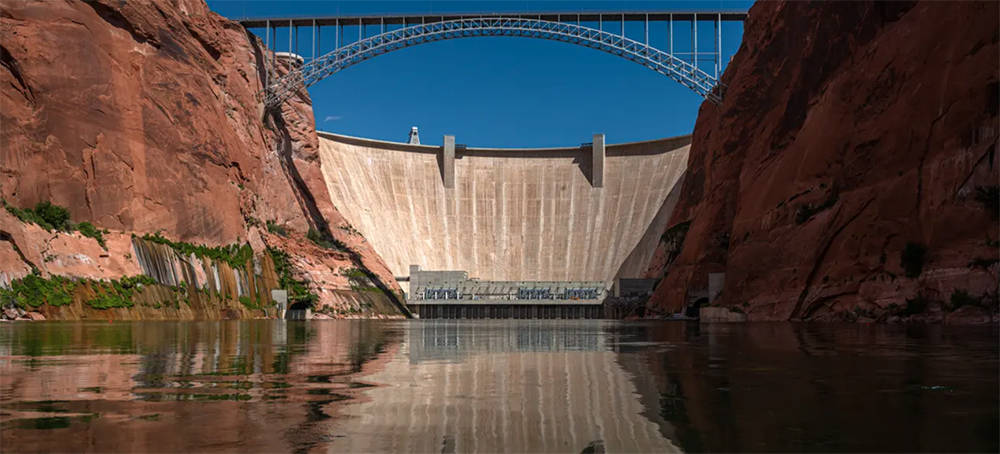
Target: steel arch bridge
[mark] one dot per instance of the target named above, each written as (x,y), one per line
(687,73)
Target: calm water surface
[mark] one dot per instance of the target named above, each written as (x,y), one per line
(496,386)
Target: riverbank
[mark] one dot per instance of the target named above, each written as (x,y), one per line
(58,273)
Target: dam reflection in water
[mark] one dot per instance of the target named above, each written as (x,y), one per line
(495,386)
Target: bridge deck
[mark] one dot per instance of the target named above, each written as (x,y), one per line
(564,16)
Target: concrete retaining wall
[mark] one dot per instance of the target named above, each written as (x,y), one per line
(514,214)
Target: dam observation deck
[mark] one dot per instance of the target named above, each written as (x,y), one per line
(699,70)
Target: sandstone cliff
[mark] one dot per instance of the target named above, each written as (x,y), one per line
(856,140)
(146,116)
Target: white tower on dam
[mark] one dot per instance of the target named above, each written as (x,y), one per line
(587,213)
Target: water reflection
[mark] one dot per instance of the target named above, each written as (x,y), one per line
(496,386)
(512,386)
(457,340)
(263,386)
(823,387)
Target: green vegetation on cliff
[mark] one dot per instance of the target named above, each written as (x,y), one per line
(298,290)
(248,303)
(45,214)
(359,280)
(277,229)
(88,230)
(235,255)
(118,292)
(806,211)
(51,217)
(325,241)
(34,290)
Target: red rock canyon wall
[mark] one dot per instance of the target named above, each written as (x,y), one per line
(848,130)
(145,116)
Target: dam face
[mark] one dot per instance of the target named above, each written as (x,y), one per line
(513,214)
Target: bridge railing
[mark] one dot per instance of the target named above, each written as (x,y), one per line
(688,73)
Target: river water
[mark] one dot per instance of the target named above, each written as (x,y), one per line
(496,386)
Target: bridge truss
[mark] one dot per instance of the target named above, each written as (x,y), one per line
(683,67)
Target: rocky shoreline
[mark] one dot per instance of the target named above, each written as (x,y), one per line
(16,313)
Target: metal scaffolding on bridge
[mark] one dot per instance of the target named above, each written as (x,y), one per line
(683,67)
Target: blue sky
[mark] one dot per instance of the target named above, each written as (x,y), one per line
(499,91)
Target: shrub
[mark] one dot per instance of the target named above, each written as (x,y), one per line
(298,290)
(26,215)
(803,213)
(961,298)
(860,312)
(45,214)
(88,230)
(276,229)
(983,263)
(989,196)
(722,241)
(34,291)
(247,303)
(235,255)
(806,211)
(912,259)
(325,241)
(355,273)
(109,300)
(119,292)
(350,229)
(916,305)
(54,215)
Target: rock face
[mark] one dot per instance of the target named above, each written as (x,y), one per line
(848,130)
(146,116)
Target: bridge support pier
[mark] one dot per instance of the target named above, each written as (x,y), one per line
(448,162)
(597,161)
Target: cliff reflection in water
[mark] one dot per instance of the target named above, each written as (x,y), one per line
(782,387)
(496,386)
(237,386)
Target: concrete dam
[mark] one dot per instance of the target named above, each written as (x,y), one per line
(585,213)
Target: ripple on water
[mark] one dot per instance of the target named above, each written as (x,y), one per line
(484,386)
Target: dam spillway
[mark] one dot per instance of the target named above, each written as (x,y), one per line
(513,214)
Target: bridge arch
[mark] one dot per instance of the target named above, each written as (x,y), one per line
(687,74)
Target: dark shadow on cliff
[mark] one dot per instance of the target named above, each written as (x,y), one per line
(307,203)
(275,121)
